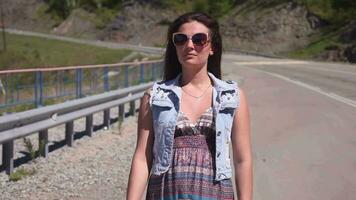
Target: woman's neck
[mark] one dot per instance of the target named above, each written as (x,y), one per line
(196,78)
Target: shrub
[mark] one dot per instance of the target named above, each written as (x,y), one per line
(29,147)
(21,173)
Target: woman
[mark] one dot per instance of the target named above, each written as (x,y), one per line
(187,121)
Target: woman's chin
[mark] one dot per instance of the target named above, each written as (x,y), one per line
(191,61)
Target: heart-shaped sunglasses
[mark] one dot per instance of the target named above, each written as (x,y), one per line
(198,39)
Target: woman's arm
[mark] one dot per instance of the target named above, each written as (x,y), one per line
(142,159)
(241,146)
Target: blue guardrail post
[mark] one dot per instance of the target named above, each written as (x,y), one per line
(78,83)
(153,67)
(39,89)
(106,79)
(126,76)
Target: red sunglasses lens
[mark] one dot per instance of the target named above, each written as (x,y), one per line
(199,39)
(180,39)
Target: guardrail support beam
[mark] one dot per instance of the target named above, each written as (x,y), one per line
(89,125)
(121,112)
(8,156)
(43,143)
(107,118)
(132,108)
(72,111)
(70,133)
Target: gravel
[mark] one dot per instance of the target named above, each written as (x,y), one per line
(95,167)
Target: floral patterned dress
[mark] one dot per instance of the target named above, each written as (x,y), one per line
(191,173)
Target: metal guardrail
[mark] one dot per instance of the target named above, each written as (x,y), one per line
(38,87)
(39,120)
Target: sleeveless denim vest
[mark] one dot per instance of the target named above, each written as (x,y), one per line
(165,102)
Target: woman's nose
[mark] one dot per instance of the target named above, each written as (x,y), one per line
(190,44)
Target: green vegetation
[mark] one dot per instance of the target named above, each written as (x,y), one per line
(212,7)
(327,40)
(104,16)
(21,173)
(33,52)
(63,8)
(28,52)
(334,11)
(17,108)
(104,9)
(29,148)
(314,49)
(119,124)
(215,8)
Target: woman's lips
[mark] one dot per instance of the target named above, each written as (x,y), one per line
(190,54)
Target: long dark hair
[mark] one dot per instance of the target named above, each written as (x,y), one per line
(172,67)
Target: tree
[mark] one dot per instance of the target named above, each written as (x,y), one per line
(2,24)
(343,4)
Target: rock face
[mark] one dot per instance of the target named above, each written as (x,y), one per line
(349,36)
(26,15)
(333,54)
(350,53)
(254,27)
(271,30)
(139,24)
(78,24)
(345,52)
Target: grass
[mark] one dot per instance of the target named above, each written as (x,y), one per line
(29,147)
(329,38)
(33,52)
(313,49)
(21,173)
(17,108)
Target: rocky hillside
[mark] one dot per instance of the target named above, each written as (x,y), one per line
(287,28)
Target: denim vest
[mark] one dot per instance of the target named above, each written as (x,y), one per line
(165,102)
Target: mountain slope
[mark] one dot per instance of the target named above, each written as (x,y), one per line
(300,29)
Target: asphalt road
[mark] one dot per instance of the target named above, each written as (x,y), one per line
(303,122)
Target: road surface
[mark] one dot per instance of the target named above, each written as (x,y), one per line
(303,120)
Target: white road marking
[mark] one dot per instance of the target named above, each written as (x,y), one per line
(313,88)
(267,62)
(294,62)
(330,70)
